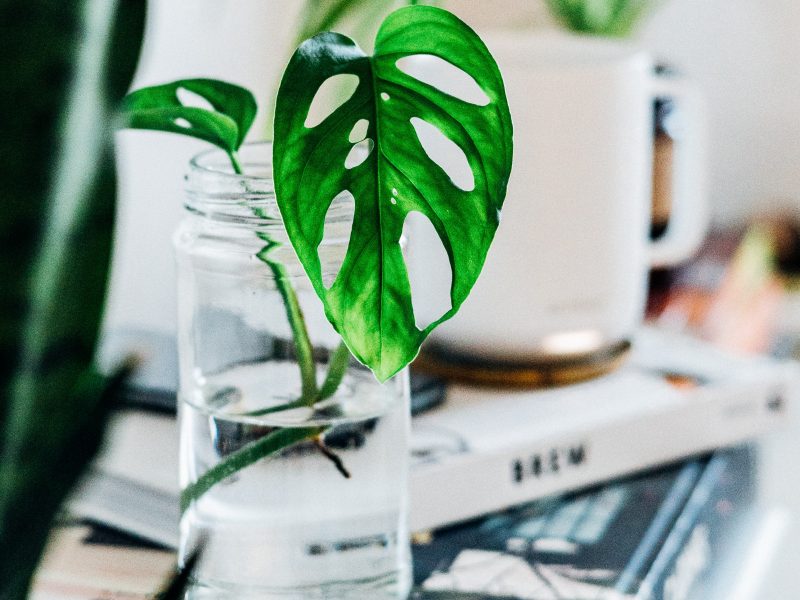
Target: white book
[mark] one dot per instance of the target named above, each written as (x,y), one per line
(490,449)
(485,450)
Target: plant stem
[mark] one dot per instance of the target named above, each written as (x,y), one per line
(323,18)
(337,367)
(299,403)
(244,457)
(283,437)
(294,314)
(237,166)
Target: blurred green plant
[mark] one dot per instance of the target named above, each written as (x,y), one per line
(327,15)
(65,67)
(358,18)
(612,18)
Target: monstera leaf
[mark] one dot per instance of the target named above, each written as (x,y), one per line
(373,146)
(177,107)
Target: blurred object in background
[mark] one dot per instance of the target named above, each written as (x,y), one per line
(65,68)
(662,535)
(516,15)
(565,282)
(742,55)
(730,294)
(663,158)
(785,229)
(610,18)
(78,566)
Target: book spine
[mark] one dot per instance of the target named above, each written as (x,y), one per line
(473,484)
(701,536)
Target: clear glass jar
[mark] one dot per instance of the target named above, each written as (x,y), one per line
(296,489)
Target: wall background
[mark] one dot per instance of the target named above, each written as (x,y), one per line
(242,41)
(742,53)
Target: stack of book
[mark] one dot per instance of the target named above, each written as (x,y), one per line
(675,398)
(656,535)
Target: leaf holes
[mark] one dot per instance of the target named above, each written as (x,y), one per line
(444,76)
(385,96)
(359,131)
(336,232)
(428,269)
(183,123)
(445,153)
(358,153)
(334,91)
(192,99)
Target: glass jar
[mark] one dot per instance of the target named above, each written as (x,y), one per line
(293,482)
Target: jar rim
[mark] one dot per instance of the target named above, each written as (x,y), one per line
(213,165)
(196,163)
(214,191)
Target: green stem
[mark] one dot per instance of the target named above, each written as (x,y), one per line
(337,367)
(280,438)
(237,166)
(299,403)
(244,457)
(294,314)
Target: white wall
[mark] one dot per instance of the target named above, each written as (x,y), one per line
(744,56)
(242,41)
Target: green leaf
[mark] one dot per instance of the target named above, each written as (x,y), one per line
(369,303)
(161,108)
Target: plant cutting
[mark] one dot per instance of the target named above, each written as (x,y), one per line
(323,217)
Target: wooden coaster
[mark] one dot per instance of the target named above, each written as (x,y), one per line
(551,373)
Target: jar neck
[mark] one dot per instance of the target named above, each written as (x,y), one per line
(215,192)
(222,199)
